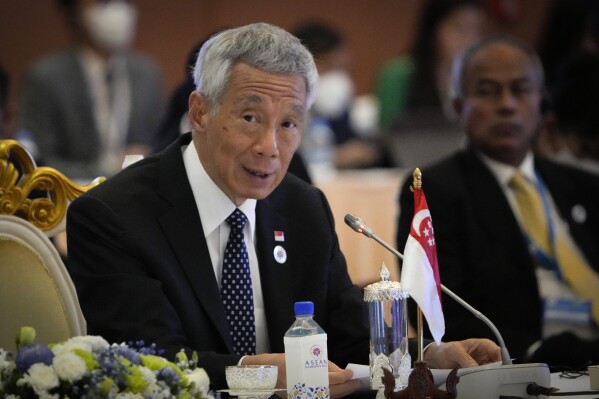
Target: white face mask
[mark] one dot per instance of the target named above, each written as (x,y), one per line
(334,94)
(111,25)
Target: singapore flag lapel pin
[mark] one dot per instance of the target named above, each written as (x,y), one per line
(279,236)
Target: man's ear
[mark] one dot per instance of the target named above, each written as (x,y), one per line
(198,111)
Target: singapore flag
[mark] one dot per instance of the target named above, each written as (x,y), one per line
(420,271)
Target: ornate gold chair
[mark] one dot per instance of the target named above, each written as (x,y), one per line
(35,287)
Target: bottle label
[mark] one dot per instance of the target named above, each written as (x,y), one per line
(307,367)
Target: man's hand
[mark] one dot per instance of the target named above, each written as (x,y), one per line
(459,354)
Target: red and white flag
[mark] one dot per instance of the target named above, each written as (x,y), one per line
(420,271)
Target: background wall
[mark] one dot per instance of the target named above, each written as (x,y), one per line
(168,29)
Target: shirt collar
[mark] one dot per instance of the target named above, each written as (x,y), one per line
(212,203)
(95,65)
(504,172)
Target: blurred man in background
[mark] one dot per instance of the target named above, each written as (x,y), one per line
(87,106)
(516,234)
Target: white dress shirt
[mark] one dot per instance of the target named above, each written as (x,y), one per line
(214,208)
(111,105)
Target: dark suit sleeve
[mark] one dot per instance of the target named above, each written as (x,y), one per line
(120,297)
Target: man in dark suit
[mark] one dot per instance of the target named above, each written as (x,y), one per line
(484,251)
(88,105)
(146,248)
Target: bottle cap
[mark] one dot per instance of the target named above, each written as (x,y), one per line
(303,308)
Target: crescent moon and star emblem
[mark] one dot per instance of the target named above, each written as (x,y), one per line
(422,225)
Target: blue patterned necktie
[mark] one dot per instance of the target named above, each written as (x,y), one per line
(236,288)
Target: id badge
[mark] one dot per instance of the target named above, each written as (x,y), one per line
(569,311)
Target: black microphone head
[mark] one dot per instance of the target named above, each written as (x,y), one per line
(352,221)
(357,225)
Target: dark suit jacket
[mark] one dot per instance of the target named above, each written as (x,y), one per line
(481,252)
(56,108)
(141,266)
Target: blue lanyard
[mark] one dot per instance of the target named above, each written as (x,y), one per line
(537,252)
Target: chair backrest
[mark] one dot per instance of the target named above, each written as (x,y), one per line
(35,287)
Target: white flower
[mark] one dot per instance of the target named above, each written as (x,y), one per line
(148,375)
(87,343)
(157,392)
(67,347)
(200,379)
(40,377)
(11,397)
(96,342)
(69,367)
(7,365)
(129,395)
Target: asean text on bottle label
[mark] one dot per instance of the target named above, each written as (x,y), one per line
(307,367)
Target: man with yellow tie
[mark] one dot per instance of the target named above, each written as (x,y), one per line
(517,235)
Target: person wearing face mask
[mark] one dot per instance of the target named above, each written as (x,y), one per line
(333,135)
(89,105)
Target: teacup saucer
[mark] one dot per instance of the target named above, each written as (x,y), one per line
(251,393)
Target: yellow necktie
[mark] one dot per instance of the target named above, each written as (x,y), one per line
(532,215)
(577,273)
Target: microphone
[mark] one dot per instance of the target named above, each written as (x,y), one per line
(359,226)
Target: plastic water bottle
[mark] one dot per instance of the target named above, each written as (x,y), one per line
(306,357)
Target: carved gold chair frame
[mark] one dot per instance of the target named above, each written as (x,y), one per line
(20,178)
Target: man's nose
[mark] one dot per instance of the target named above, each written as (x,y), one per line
(266,143)
(507,100)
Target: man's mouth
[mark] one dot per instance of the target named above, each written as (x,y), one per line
(258,173)
(506,128)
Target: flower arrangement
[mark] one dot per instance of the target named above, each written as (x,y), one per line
(89,367)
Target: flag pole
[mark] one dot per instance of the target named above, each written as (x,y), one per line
(417,185)
(420,336)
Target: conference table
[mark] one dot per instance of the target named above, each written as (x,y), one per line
(370,194)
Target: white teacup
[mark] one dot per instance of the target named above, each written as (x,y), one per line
(251,377)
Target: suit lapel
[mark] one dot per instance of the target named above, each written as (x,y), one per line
(183,228)
(493,212)
(274,276)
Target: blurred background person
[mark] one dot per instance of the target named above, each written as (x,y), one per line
(86,107)
(414,91)
(571,133)
(419,82)
(516,234)
(176,121)
(335,135)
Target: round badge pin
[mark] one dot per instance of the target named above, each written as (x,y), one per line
(579,213)
(280,254)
